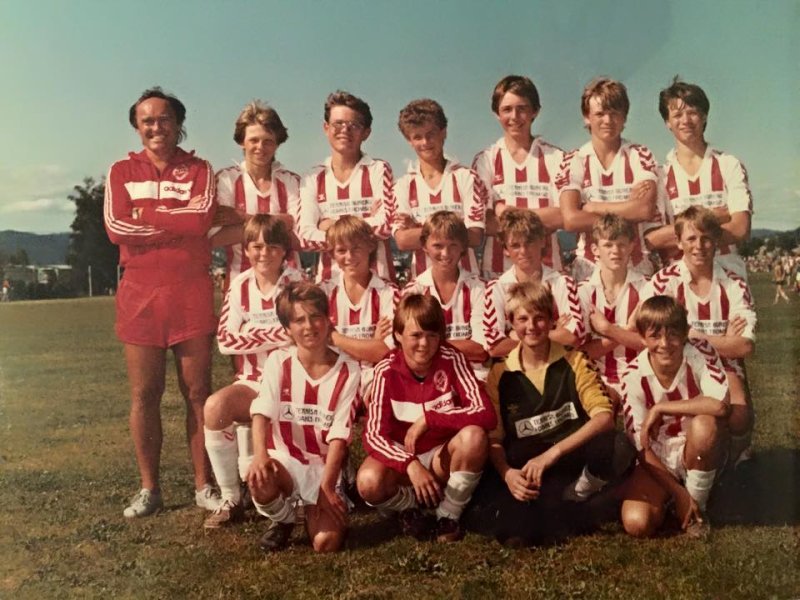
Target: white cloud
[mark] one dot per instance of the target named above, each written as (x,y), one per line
(38,204)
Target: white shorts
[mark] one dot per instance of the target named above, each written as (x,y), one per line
(426,458)
(670,452)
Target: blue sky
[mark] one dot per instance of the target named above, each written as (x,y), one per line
(70,70)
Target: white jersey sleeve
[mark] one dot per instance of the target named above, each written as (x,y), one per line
(494,314)
(309,214)
(737,186)
(482,166)
(708,369)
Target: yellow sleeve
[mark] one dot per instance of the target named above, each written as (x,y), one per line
(590,388)
(492,381)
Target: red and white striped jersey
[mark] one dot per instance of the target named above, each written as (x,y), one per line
(322,196)
(618,312)
(235,188)
(449,397)
(170,233)
(306,414)
(463,313)
(530,184)
(729,297)
(700,374)
(720,182)
(496,323)
(460,191)
(582,171)
(248,323)
(359,320)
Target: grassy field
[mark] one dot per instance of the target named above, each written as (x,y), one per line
(67,470)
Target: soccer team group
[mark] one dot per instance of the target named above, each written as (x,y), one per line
(491,386)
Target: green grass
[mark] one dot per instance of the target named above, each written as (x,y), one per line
(67,470)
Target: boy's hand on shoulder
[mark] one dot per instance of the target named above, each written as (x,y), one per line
(414,433)
(325,224)
(426,487)
(522,489)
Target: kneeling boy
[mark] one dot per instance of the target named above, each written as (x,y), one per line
(675,399)
(555,439)
(301,425)
(426,429)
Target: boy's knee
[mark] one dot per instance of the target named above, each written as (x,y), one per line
(704,426)
(640,522)
(214,409)
(264,492)
(327,541)
(473,440)
(370,484)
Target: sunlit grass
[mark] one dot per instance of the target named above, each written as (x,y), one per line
(67,470)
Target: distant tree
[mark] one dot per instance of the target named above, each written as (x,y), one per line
(89,244)
(20,257)
(750,247)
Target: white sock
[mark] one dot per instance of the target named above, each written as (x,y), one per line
(221,448)
(404,499)
(279,510)
(587,484)
(457,493)
(699,484)
(244,440)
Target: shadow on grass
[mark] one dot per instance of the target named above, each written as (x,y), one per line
(762,491)
(370,530)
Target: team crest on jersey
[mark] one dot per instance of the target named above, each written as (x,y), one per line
(180,172)
(440,380)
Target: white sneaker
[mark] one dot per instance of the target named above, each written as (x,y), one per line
(583,487)
(207,498)
(143,504)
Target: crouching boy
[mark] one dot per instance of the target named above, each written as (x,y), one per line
(426,428)
(555,440)
(301,425)
(675,397)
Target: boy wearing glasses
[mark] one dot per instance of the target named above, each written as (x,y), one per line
(348,182)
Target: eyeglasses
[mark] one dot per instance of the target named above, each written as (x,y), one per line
(339,126)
